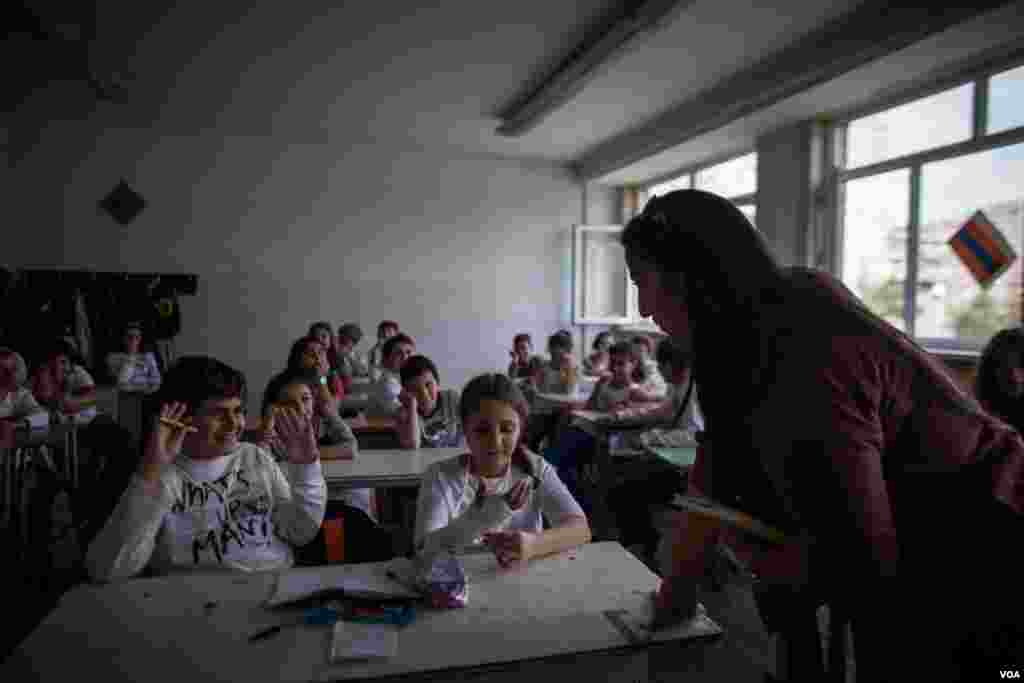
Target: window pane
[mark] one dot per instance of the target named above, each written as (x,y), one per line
(876,216)
(1006,100)
(951,303)
(680,183)
(942,119)
(604,275)
(731,179)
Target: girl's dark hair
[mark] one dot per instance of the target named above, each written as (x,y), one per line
(1003,345)
(599,339)
(415,366)
(498,387)
(284,379)
(622,348)
(386,323)
(674,354)
(522,336)
(194,379)
(298,350)
(394,341)
(351,332)
(320,325)
(560,340)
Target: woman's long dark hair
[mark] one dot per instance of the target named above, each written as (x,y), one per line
(1005,344)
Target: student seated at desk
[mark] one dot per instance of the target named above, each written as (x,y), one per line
(523,363)
(324,333)
(63,385)
(576,446)
(647,373)
(385,330)
(350,363)
(499,493)
(656,482)
(384,392)
(557,376)
(202,499)
(299,390)
(597,362)
(17,402)
(618,390)
(429,416)
(133,369)
(309,354)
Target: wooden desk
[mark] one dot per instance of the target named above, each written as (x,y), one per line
(540,620)
(382,467)
(378,433)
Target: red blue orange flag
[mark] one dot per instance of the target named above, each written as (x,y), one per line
(983,249)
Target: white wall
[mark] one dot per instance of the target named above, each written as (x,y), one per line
(286,224)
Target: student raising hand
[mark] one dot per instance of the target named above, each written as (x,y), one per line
(296,433)
(166,438)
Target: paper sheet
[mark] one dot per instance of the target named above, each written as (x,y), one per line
(353,640)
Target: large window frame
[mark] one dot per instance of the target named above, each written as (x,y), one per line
(980,140)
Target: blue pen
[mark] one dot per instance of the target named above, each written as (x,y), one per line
(318,616)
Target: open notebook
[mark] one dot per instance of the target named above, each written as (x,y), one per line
(350,581)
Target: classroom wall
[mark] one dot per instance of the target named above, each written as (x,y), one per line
(285,223)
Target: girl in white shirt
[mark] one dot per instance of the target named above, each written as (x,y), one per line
(499,493)
(133,369)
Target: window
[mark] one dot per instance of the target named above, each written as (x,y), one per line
(910,177)
(601,284)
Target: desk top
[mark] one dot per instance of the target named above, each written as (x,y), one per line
(604,422)
(683,456)
(376,423)
(383,467)
(195,627)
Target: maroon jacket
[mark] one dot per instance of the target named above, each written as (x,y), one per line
(847,418)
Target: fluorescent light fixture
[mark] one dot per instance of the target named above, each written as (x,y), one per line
(607,39)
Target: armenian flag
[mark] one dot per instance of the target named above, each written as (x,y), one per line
(983,249)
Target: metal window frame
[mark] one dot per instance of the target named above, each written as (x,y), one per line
(979,141)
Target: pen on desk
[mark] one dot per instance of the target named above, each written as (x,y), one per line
(265,633)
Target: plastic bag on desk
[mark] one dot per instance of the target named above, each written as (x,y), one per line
(443,579)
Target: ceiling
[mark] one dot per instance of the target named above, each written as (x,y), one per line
(428,75)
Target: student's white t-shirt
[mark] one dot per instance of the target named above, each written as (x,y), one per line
(448,492)
(384,394)
(134,370)
(240,511)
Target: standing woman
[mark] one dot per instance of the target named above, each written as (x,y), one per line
(828,423)
(999,385)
